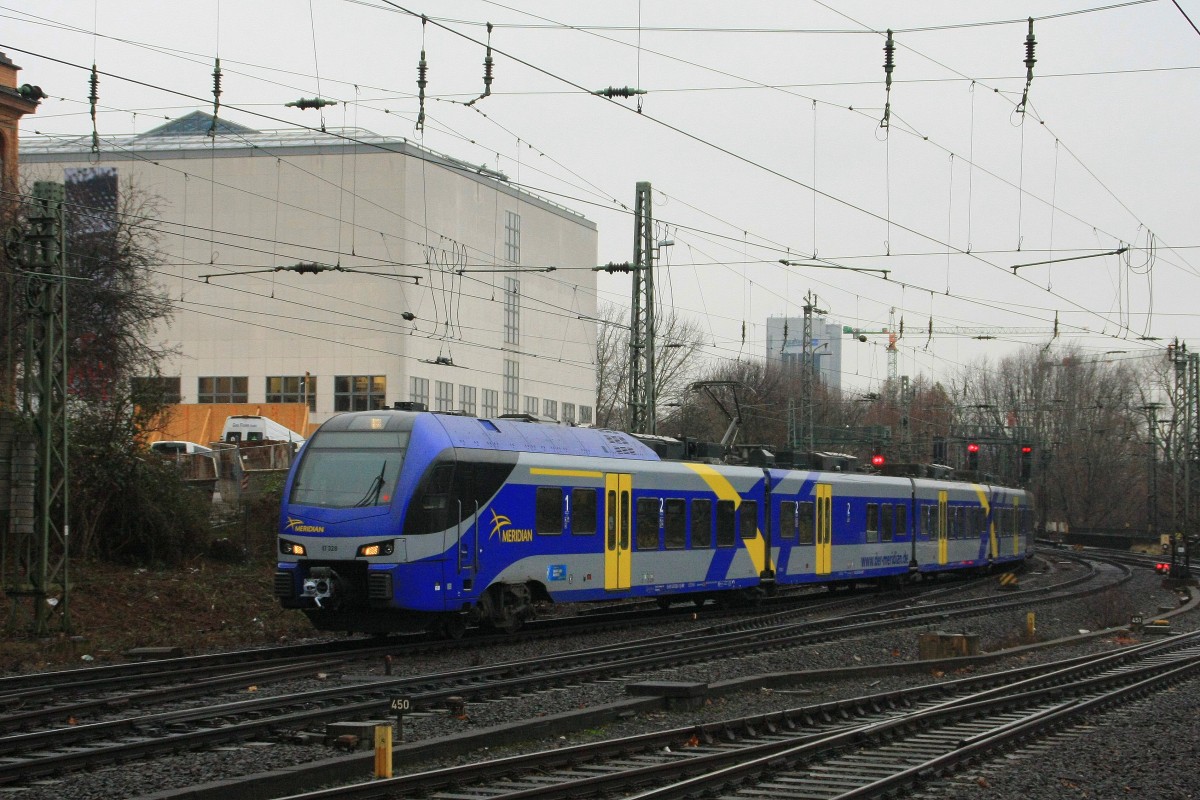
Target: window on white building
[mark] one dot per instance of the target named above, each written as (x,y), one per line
(359,392)
(512,237)
(585,415)
(292,389)
(512,311)
(489,403)
(418,390)
(443,398)
(532,405)
(569,413)
(222,390)
(466,399)
(512,385)
(168,390)
(550,408)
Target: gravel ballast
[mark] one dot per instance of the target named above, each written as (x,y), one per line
(1138,751)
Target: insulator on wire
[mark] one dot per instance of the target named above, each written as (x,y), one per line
(623,91)
(488,65)
(889,64)
(422,77)
(93,99)
(1030,46)
(422,82)
(212,128)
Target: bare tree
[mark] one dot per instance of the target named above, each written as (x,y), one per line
(123,505)
(1081,415)
(678,343)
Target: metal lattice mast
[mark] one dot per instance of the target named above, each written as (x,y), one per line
(45,396)
(1180,438)
(809,365)
(642,404)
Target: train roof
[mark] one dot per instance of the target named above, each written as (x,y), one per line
(512,435)
(534,437)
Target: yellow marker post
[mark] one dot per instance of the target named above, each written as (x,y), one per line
(383,751)
(1030,625)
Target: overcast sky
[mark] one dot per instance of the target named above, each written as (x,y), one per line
(760,131)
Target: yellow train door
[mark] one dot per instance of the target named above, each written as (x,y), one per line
(943,544)
(824,537)
(1016,527)
(617,525)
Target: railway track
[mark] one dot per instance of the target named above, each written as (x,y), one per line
(55,748)
(875,746)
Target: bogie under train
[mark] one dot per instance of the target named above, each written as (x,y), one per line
(400,520)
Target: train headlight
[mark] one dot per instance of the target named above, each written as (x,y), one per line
(291,548)
(385,548)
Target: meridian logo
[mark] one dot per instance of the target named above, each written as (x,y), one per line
(298,526)
(500,525)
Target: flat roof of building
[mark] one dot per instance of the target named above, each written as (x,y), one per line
(189,137)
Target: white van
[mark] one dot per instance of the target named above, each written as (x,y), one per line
(180,448)
(253,428)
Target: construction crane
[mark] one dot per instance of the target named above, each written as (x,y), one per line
(993,332)
(893,335)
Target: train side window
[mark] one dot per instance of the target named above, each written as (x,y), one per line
(887,522)
(805,519)
(787,519)
(701,524)
(872,522)
(583,511)
(726,523)
(748,519)
(675,524)
(549,516)
(611,511)
(901,522)
(646,532)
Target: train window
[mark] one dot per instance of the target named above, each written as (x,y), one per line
(624,520)
(787,519)
(748,519)
(583,511)
(702,523)
(675,524)
(726,523)
(549,516)
(646,532)
(805,520)
(611,513)
(872,522)
(887,522)
(901,521)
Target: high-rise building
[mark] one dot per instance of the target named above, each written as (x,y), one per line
(785,345)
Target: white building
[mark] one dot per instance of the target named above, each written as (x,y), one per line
(451,286)
(785,345)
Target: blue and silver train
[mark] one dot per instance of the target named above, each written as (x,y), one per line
(399,520)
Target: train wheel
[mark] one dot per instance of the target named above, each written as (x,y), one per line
(505,608)
(663,602)
(449,626)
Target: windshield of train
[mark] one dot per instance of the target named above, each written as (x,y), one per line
(349,469)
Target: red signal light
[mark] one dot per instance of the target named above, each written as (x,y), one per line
(972,448)
(1026,449)
(878,460)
